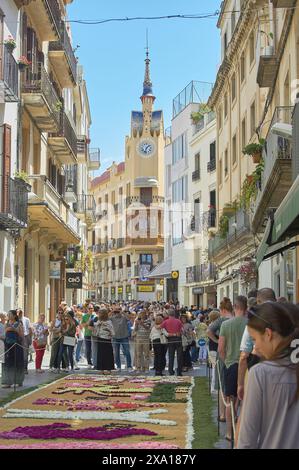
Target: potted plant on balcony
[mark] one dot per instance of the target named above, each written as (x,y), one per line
(23,63)
(248,191)
(230,208)
(10,44)
(255,150)
(223,226)
(198,115)
(268,50)
(58,106)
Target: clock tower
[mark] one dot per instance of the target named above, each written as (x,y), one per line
(145,145)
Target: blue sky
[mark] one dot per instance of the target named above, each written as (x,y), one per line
(113,58)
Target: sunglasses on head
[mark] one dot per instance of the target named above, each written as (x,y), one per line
(252,313)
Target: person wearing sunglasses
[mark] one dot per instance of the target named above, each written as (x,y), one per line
(270,412)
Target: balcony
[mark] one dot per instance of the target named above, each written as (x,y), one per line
(40,99)
(201,273)
(137,200)
(64,142)
(13,204)
(120,242)
(196,175)
(46,17)
(63,60)
(94,159)
(211,166)
(268,67)
(238,231)
(204,221)
(149,241)
(100,248)
(9,77)
(199,126)
(49,212)
(277,175)
(82,148)
(85,208)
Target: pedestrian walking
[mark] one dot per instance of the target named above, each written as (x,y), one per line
(142,330)
(159,342)
(174,328)
(104,331)
(40,336)
(68,333)
(27,338)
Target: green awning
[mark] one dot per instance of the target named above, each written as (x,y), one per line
(286,218)
(285,225)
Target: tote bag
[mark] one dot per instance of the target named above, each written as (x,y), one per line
(69,341)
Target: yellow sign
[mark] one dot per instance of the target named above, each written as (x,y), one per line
(120,290)
(161,282)
(174,274)
(146,288)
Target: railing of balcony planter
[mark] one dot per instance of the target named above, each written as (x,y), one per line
(10,76)
(39,82)
(211,166)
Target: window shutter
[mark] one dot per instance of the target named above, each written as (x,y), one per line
(6,165)
(24,34)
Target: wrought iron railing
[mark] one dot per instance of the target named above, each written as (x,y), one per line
(13,204)
(64,44)
(196,175)
(39,82)
(71,177)
(85,203)
(94,155)
(211,166)
(54,12)
(10,76)
(238,225)
(201,273)
(66,130)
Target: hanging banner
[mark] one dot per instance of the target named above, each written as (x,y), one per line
(55,270)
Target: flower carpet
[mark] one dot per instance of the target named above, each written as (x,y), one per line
(101,412)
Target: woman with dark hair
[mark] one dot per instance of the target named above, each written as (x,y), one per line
(270,412)
(68,334)
(13,367)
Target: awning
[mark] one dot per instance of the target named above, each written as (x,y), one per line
(162,270)
(285,224)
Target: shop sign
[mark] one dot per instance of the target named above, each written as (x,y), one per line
(198,290)
(120,290)
(74,280)
(146,288)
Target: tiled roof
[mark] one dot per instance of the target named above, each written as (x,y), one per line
(101,179)
(121,167)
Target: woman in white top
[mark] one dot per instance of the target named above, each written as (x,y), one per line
(270,412)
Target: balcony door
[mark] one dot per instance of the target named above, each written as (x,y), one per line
(146,195)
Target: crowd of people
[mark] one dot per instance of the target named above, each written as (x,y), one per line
(249,344)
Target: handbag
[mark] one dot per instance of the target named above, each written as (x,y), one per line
(69,340)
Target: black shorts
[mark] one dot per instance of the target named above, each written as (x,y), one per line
(231,380)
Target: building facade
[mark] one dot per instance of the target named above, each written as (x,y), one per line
(53,120)
(190,201)
(128,239)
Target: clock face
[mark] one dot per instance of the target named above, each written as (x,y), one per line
(146,148)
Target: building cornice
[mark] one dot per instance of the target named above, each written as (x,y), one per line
(234,46)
